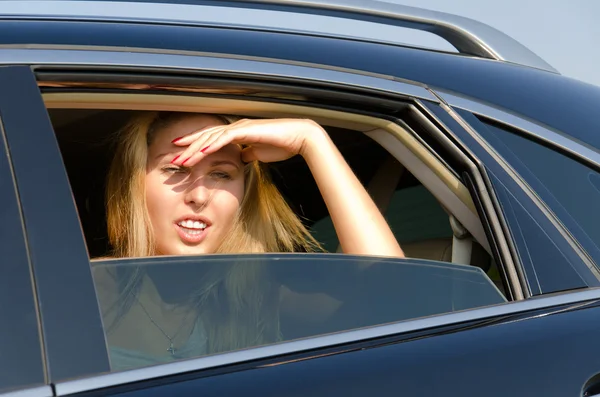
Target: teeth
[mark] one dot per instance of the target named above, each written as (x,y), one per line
(193,232)
(189,224)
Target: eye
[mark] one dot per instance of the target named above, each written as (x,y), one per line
(220,175)
(173,169)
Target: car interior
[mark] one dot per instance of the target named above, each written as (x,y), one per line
(428,208)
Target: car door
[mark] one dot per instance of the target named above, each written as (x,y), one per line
(75,338)
(532,352)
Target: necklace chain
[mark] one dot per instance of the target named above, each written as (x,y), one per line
(171,349)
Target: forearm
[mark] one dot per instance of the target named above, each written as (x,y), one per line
(360,226)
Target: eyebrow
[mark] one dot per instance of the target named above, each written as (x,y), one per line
(215,163)
(224,162)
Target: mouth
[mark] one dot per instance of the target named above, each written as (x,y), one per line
(192,231)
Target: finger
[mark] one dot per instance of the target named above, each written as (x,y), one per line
(189,138)
(196,146)
(219,140)
(229,136)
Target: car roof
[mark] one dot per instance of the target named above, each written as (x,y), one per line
(548,98)
(466,35)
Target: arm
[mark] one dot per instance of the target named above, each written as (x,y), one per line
(360,226)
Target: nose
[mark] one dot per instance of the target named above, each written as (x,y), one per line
(198,193)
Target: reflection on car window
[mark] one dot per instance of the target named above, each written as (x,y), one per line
(162,309)
(569,188)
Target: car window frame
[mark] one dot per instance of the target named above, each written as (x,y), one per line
(582,264)
(465,125)
(556,141)
(380,85)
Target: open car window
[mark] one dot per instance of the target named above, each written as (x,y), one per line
(218,303)
(420,223)
(290,296)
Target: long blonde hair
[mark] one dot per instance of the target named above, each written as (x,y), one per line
(234,299)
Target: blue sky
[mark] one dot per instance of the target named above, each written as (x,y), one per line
(561,32)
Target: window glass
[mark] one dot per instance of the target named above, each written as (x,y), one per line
(547,267)
(161,309)
(569,188)
(20,353)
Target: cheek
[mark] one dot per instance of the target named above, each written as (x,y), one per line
(230,204)
(155,196)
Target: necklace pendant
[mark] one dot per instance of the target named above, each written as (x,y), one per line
(171,349)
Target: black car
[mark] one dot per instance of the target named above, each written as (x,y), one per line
(484,160)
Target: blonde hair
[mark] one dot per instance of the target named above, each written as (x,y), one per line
(234,298)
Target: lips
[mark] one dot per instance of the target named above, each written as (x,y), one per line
(192,229)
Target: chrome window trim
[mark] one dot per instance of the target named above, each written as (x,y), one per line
(129,58)
(141,374)
(41,391)
(467,35)
(496,223)
(537,131)
(553,138)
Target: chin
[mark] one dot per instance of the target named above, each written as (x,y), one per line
(187,250)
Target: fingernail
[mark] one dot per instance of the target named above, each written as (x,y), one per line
(185,160)
(176,139)
(203,150)
(174,160)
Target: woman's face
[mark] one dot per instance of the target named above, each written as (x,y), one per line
(192,209)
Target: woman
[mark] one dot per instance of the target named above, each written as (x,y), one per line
(192,184)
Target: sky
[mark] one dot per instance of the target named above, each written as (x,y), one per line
(561,32)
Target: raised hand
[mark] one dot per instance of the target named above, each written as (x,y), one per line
(264,140)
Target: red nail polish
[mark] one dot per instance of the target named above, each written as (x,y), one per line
(174,160)
(176,139)
(203,150)
(185,160)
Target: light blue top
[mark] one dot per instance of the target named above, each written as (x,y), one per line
(196,346)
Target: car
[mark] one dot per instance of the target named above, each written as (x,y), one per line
(484,159)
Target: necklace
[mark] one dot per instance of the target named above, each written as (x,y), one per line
(171,349)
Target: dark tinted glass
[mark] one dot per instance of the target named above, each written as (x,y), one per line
(570,189)
(547,267)
(163,309)
(20,352)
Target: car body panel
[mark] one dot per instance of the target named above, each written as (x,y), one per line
(453,361)
(22,358)
(467,35)
(59,259)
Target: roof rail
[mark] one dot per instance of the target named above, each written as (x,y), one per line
(467,35)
